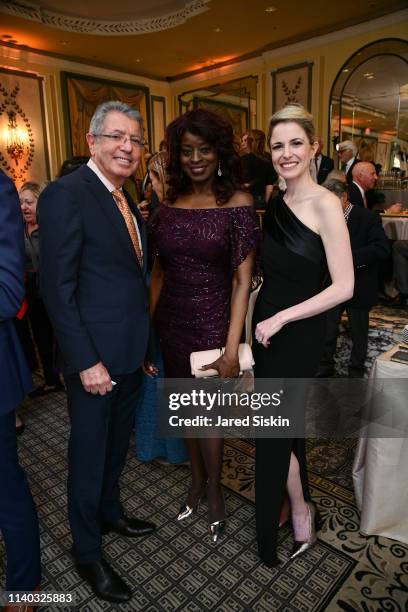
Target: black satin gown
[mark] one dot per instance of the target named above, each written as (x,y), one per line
(294,270)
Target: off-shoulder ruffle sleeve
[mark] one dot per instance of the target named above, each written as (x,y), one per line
(245,234)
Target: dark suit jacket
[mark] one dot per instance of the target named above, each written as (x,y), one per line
(349,175)
(326,166)
(92,285)
(355,196)
(15,377)
(369,246)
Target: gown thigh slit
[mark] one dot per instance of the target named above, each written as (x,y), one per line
(294,270)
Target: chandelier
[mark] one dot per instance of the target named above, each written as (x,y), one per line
(15,139)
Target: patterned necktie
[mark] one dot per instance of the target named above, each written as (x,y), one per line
(124,208)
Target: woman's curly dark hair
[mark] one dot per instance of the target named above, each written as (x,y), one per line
(215,132)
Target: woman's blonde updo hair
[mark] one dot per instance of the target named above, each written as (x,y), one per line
(297,114)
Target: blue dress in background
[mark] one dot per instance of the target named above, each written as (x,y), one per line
(148,445)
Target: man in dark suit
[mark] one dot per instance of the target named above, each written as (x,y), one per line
(18,517)
(369,246)
(93,282)
(347,151)
(324,164)
(364,178)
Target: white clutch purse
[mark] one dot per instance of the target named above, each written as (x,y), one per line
(202,358)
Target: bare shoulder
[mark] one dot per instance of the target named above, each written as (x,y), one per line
(324,201)
(240,198)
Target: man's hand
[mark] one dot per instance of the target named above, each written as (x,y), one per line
(96,380)
(394,208)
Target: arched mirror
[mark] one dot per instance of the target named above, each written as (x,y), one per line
(369,104)
(235,101)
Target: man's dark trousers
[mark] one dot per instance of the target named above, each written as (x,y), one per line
(93,485)
(359,322)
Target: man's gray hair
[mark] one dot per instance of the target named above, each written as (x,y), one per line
(99,116)
(348,145)
(335,186)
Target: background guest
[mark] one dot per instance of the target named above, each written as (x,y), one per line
(347,151)
(259,140)
(323,163)
(36,317)
(259,174)
(376,202)
(18,517)
(364,178)
(71,164)
(400,265)
(148,445)
(369,246)
(155,184)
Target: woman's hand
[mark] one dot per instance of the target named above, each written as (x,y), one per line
(144,209)
(226,367)
(268,328)
(150,369)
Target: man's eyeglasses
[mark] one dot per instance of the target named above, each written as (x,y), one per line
(123,138)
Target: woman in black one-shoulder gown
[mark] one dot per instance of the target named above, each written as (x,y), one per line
(305,237)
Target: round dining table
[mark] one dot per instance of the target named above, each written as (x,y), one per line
(395,226)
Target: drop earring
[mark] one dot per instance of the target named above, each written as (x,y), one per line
(219,172)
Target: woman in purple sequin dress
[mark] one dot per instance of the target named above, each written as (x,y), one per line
(205,237)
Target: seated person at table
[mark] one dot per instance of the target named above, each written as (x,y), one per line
(400,265)
(364,178)
(369,246)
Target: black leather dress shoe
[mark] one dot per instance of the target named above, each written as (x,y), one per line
(104,581)
(129,527)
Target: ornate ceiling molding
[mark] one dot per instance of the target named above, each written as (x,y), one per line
(34,12)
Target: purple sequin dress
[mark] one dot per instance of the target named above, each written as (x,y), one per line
(199,250)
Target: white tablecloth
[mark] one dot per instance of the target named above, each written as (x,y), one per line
(396,228)
(380,472)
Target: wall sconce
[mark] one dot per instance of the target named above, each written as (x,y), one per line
(16,145)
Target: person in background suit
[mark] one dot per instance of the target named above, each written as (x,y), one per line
(369,246)
(93,282)
(259,174)
(323,163)
(347,151)
(18,516)
(364,178)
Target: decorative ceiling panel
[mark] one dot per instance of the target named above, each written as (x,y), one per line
(102,27)
(223,31)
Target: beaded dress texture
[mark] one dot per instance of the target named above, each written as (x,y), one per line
(199,250)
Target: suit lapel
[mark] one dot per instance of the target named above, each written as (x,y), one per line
(110,210)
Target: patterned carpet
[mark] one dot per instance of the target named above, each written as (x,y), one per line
(179,569)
